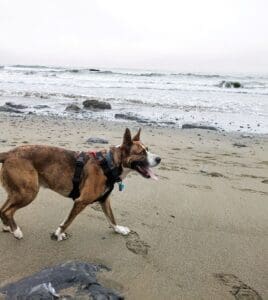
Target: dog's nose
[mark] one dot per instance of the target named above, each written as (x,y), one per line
(158,159)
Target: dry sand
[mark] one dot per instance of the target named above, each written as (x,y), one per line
(206,217)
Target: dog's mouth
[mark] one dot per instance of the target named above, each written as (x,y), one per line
(144,170)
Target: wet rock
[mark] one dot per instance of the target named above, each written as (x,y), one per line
(73,107)
(94,103)
(168,123)
(51,283)
(41,106)
(197,126)
(238,145)
(230,84)
(212,174)
(97,140)
(5,108)
(17,106)
(130,117)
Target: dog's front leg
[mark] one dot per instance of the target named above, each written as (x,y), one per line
(106,207)
(78,206)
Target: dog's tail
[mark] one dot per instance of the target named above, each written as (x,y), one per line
(3,157)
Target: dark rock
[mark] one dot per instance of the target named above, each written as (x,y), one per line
(97,140)
(130,117)
(73,107)
(265,181)
(168,123)
(244,136)
(212,174)
(41,106)
(230,84)
(10,109)
(46,284)
(238,145)
(96,104)
(196,126)
(17,106)
(94,70)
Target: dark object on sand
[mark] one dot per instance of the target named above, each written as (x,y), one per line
(41,106)
(197,126)
(48,283)
(96,104)
(230,84)
(130,117)
(6,108)
(97,140)
(17,106)
(73,107)
(238,145)
(212,174)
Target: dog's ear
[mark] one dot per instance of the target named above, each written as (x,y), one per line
(137,136)
(127,141)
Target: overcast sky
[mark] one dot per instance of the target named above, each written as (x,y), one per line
(183,35)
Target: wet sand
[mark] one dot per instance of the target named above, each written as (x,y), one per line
(200,232)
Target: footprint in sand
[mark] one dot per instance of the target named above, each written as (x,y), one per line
(135,244)
(237,288)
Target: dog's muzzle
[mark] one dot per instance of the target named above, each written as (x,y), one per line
(143,168)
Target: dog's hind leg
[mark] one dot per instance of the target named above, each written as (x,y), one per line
(20,180)
(107,209)
(6,227)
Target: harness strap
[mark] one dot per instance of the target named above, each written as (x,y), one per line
(79,165)
(112,173)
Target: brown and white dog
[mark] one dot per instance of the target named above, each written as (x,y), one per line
(26,168)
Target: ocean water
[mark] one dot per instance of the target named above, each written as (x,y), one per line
(165,98)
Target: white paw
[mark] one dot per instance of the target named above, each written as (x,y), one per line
(6,228)
(60,235)
(121,229)
(18,233)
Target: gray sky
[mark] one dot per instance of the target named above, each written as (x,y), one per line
(183,35)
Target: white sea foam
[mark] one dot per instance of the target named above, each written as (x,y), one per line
(166,98)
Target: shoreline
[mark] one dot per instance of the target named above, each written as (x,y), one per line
(131,123)
(206,216)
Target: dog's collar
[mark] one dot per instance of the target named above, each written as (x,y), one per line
(111,171)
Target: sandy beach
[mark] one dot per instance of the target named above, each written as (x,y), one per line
(200,232)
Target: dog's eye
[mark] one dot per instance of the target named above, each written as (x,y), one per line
(147,149)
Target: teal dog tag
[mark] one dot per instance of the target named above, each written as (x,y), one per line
(121,186)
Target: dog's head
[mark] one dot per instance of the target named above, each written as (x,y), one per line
(136,156)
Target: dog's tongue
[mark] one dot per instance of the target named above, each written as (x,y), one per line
(151,173)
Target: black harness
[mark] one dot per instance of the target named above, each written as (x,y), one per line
(111,172)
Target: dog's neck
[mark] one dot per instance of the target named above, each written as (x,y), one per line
(117,159)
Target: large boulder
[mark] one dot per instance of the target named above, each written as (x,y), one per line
(94,103)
